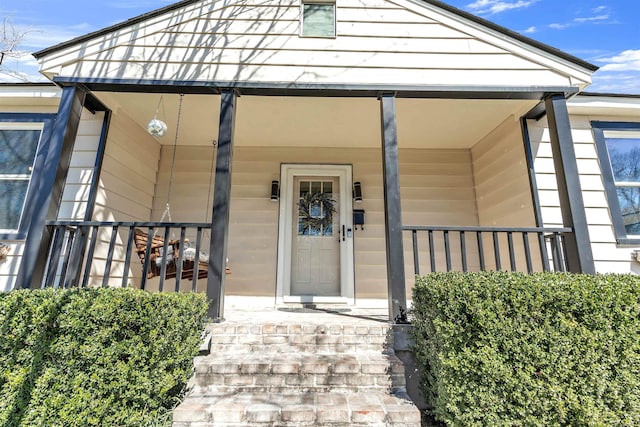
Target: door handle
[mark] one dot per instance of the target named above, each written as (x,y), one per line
(344,233)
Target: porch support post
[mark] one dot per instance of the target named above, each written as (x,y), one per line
(578,245)
(50,187)
(392,209)
(80,241)
(221,204)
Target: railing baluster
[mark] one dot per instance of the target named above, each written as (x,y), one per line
(563,255)
(512,255)
(480,250)
(74,261)
(54,257)
(90,253)
(147,260)
(559,253)
(463,250)
(432,255)
(164,260)
(542,241)
(447,251)
(111,250)
(183,237)
(496,250)
(527,252)
(196,260)
(70,239)
(416,258)
(127,257)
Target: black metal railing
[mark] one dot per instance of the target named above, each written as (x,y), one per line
(88,253)
(488,248)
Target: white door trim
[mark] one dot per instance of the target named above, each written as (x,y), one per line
(285,227)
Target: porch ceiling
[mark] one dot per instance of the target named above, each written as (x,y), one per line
(322,122)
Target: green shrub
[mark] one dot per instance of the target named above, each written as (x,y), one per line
(508,349)
(95,357)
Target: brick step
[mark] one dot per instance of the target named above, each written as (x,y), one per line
(225,373)
(309,409)
(298,363)
(298,337)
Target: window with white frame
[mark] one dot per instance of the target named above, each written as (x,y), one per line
(318,19)
(18,146)
(618,146)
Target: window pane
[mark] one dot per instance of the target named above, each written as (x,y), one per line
(12,194)
(17,150)
(625,158)
(318,20)
(629,199)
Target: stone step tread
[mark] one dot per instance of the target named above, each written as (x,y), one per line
(297,329)
(359,357)
(329,408)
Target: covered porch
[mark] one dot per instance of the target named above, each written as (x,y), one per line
(446,180)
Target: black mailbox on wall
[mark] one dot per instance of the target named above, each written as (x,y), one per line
(358,218)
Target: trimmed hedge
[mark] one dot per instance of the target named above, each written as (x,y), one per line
(95,357)
(509,349)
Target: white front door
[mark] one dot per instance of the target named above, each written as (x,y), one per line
(315,247)
(315,256)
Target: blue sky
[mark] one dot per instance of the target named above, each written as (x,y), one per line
(603,32)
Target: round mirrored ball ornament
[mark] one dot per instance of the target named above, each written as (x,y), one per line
(157,128)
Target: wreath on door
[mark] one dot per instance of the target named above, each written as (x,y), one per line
(305,210)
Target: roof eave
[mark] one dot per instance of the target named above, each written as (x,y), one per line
(132,21)
(510,33)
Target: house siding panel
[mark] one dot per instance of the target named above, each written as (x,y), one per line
(503,191)
(377,43)
(432,194)
(126,191)
(608,256)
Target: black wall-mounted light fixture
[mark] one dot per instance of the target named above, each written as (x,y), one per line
(275,191)
(357,191)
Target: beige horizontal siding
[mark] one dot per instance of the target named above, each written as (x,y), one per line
(83,159)
(126,192)
(377,42)
(503,193)
(436,186)
(608,256)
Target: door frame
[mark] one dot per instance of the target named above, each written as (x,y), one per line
(285,232)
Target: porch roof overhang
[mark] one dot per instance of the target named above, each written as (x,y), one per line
(315,89)
(279,114)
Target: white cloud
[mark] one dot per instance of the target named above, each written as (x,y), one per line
(598,18)
(492,7)
(530,30)
(629,60)
(592,18)
(628,83)
(557,26)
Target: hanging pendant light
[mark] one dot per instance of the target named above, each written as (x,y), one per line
(156,127)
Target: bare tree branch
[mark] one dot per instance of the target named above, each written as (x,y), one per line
(10,38)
